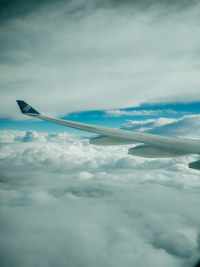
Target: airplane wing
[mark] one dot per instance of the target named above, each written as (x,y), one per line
(152,146)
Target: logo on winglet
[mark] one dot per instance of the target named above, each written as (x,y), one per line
(26,108)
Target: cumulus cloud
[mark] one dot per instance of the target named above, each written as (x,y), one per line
(67,203)
(68,56)
(30,136)
(186,126)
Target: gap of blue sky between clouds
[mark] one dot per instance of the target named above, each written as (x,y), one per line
(111,118)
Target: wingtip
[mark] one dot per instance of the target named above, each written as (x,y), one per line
(26,108)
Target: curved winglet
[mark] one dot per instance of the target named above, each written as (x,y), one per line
(26,108)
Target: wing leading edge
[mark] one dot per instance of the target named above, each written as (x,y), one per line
(152,145)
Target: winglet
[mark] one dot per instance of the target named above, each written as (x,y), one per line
(26,109)
(194,165)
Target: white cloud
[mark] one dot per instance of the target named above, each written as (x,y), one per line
(186,126)
(66,202)
(31,136)
(76,56)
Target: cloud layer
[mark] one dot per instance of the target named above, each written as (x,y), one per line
(70,56)
(67,203)
(187,126)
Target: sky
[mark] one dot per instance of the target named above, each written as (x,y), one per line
(70,56)
(127,64)
(115,118)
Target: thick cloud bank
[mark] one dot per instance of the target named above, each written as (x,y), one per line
(67,203)
(77,53)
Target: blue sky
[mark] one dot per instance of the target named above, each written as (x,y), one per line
(106,117)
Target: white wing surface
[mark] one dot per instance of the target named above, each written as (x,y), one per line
(153,146)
